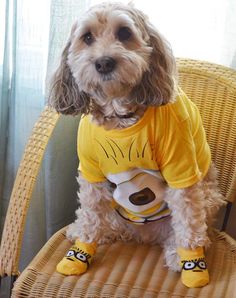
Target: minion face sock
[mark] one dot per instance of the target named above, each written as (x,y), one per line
(194,268)
(77,259)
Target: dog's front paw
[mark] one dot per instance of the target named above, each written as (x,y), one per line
(67,267)
(77,259)
(194,268)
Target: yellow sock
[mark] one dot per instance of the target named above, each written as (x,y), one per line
(194,268)
(77,258)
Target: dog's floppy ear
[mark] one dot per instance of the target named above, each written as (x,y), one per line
(157,86)
(64,94)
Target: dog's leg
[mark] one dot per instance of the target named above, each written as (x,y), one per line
(189,224)
(171,256)
(96,223)
(87,229)
(214,199)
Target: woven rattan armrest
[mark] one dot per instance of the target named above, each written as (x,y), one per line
(213,88)
(22,192)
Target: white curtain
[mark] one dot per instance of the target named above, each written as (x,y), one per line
(32,36)
(204,30)
(23,63)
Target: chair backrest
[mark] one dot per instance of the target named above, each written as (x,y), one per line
(213,88)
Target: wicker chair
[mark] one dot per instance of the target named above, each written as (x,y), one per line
(127,269)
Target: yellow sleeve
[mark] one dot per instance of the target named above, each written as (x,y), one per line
(88,166)
(179,165)
(186,157)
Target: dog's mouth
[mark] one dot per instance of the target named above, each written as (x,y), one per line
(107,77)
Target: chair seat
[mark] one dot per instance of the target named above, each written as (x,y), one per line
(126,270)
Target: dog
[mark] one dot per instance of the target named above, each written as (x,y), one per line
(145,170)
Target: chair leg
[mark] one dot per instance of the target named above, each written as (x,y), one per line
(226,218)
(13,279)
(9,282)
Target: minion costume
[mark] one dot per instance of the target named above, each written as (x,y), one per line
(167,144)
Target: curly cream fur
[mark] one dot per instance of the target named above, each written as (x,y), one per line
(119,100)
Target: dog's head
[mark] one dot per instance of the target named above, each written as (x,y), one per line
(114,55)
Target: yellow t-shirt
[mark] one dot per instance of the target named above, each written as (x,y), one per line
(169,141)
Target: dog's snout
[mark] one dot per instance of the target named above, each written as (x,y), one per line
(105,65)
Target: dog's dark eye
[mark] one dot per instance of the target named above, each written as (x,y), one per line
(88,38)
(124,34)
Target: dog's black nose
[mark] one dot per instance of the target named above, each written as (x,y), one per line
(105,65)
